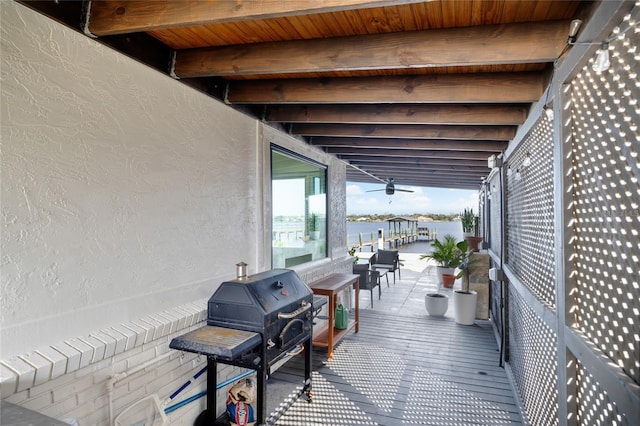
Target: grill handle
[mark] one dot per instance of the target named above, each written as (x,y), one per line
(305,307)
(296,351)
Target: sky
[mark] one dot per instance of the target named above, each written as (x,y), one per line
(423,200)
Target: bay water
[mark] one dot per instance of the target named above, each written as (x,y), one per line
(441,229)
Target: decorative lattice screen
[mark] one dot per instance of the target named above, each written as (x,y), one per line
(603,261)
(606,169)
(533,360)
(530,220)
(594,405)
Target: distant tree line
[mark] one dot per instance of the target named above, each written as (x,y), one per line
(383,217)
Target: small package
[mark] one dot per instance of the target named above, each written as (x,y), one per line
(241,395)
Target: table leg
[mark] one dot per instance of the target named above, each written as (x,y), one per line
(332,310)
(356,285)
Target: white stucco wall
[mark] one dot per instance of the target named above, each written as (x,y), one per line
(123,192)
(126,198)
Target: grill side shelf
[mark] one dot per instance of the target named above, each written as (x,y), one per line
(225,344)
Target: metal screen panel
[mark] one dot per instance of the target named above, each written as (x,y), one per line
(606,170)
(594,405)
(493,209)
(530,213)
(533,360)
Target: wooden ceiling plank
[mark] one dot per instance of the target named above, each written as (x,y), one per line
(425,173)
(409,153)
(435,144)
(453,185)
(441,182)
(407,131)
(402,178)
(406,179)
(398,114)
(480,45)
(449,166)
(416,163)
(127,16)
(521,87)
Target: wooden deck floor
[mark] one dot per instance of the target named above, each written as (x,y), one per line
(406,368)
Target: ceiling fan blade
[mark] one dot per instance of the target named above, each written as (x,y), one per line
(375,190)
(404,190)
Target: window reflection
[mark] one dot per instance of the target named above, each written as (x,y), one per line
(299,209)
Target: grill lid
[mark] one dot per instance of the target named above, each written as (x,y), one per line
(250,300)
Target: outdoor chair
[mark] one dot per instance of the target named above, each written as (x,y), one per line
(387,260)
(369,279)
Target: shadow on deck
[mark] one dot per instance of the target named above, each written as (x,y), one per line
(404,367)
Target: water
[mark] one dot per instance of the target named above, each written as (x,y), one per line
(442,229)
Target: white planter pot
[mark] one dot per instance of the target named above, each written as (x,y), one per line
(436,304)
(442,270)
(465,307)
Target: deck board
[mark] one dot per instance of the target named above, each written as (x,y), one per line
(405,367)
(406,370)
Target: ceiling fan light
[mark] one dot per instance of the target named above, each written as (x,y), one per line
(602,62)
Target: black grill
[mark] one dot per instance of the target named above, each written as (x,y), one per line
(254,322)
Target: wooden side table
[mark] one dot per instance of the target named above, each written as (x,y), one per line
(329,336)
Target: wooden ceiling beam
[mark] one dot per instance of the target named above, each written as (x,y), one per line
(392,168)
(435,144)
(518,87)
(479,45)
(128,16)
(400,176)
(427,173)
(451,166)
(463,155)
(397,173)
(441,182)
(359,176)
(399,114)
(413,162)
(420,183)
(406,131)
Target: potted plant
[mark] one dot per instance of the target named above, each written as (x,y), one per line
(464,300)
(312,224)
(445,254)
(468,220)
(474,240)
(352,252)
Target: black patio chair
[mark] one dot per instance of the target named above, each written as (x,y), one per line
(389,260)
(369,279)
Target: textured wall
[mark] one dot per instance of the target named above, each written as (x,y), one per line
(124,196)
(123,192)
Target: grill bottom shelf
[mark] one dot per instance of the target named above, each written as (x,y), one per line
(321,337)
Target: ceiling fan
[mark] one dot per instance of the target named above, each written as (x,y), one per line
(390,189)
